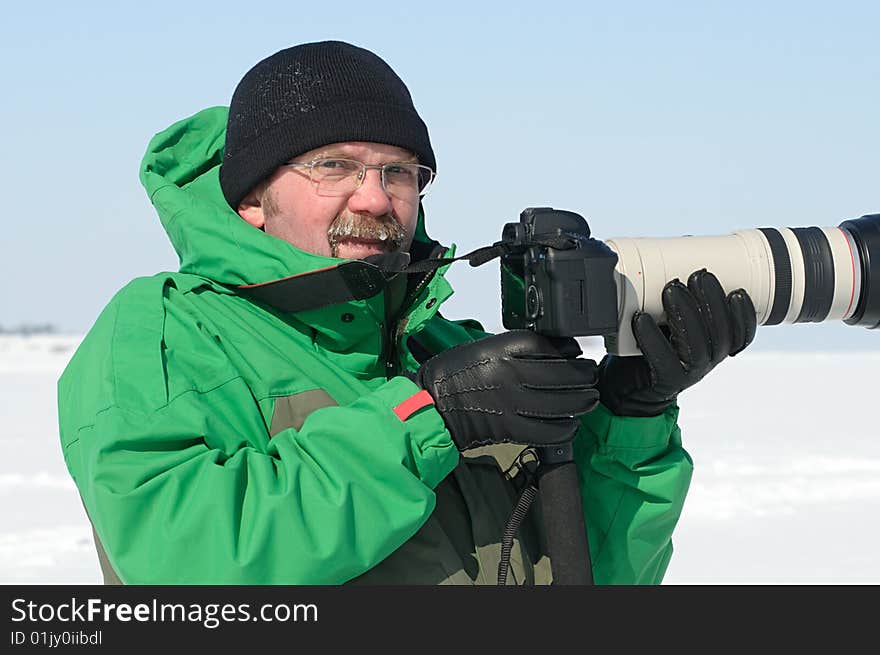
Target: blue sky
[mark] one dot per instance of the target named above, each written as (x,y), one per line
(650,119)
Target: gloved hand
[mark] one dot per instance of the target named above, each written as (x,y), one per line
(704,327)
(516,386)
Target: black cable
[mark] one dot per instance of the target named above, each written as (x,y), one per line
(516,518)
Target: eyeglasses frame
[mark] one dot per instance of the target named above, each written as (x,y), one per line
(363,173)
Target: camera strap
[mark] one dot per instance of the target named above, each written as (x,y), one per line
(351,280)
(485,254)
(365,278)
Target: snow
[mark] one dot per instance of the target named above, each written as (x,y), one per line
(786,485)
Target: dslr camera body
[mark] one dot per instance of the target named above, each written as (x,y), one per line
(555,279)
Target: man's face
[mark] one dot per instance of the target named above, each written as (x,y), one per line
(289,206)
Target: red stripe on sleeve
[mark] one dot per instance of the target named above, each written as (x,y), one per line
(413,404)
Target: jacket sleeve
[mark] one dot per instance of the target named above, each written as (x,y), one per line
(634,477)
(180,496)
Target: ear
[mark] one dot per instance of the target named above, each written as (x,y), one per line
(251,208)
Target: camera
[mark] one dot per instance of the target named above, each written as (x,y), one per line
(557,280)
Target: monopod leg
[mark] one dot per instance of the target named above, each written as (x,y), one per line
(564,516)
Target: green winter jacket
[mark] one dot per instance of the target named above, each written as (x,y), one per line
(216,440)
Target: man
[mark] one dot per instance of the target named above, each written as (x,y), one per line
(286,409)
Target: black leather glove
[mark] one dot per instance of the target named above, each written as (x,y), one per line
(704,327)
(517,387)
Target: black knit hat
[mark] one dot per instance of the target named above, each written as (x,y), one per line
(308,96)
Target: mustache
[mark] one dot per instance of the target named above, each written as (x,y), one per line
(366,226)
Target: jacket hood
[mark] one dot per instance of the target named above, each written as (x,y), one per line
(180,172)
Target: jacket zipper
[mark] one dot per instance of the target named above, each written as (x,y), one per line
(392,333)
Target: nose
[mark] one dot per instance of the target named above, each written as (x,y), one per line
(370,197)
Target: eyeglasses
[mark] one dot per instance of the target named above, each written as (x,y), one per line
(339,177)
